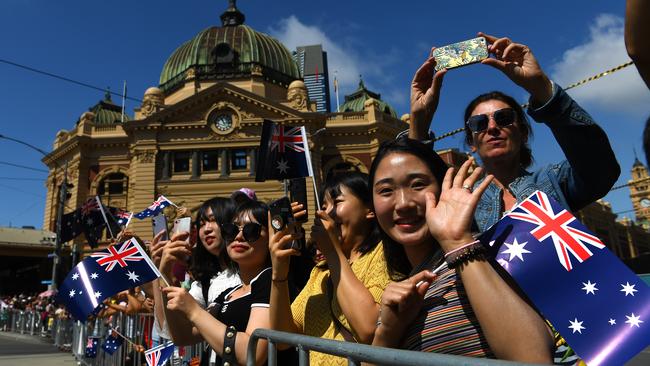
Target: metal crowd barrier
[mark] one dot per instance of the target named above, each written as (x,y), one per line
(357,353)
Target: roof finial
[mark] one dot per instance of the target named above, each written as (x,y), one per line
(107,95)
(232,16)
(637,162)
(361,84)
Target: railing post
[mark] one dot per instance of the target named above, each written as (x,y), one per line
(272,356)
(303,356)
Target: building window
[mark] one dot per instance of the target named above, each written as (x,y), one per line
(209,161)
(238,160)
(115,183)
(181,161)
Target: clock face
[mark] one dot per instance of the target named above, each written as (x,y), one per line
(222,121)
(645,203)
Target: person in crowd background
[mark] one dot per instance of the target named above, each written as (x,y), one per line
(497,130)
(465,307)
(340,300)
(231,318)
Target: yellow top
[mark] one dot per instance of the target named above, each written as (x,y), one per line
(313,303)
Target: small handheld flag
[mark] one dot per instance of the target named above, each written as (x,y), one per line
(156,207)
(157,356)
(103,274)
(599,306)
(91,347)
(112,343)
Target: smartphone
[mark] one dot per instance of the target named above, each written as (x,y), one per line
(159,223)
(281,214)
(183,224)
(298,193)
(460,54)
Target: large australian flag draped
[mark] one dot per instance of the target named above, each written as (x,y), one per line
(283,153)
(599,306)
(103,274)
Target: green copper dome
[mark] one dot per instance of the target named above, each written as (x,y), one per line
(107,113)
(231,51)
(355,101)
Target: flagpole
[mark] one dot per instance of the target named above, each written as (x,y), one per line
(336,91)
(101,209)
(124,337)
(123,100)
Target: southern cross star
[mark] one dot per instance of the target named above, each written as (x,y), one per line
(72,292)
(283,165)
(75,276)
(628,289)
(612,321)
(590,288)
(94,276)
(633,320)
(515,250)
(576,326)
(132,276)
(98,295)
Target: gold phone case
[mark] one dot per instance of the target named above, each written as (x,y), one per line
(460,54)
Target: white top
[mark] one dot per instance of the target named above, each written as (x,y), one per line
(222,281)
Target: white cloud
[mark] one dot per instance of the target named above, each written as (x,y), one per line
(343,59)
(621,92)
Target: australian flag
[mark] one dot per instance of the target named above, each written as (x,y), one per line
(159,355)
(94,219)
(122,217)
(283,153)
(103,274)
(71,226)
(156,207)
(112,343)
(91,347)
(599,306)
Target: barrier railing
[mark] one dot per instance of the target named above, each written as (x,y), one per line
(357,353)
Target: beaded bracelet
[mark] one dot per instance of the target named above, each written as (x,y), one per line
(465,253)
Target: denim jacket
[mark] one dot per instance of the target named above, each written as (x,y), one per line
(587,174)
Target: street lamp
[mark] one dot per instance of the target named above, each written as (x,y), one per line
(59,214)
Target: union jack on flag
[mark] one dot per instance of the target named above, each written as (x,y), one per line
(159,354)
(287,137)
(128,251)
(555,226)
(89,206)
(155,208)
(599,306)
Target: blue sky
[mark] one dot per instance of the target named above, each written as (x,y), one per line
(104,43)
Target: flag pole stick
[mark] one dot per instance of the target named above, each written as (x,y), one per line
(123,336)
(318,206)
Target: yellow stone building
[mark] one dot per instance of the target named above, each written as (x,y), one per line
(195,135)
(640,192)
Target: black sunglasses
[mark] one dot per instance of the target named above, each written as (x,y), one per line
(251,231)
(502,117)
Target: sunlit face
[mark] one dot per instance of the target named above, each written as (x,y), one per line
(242,251)
(497,143)
(399,188)
(350,214)
(210,234)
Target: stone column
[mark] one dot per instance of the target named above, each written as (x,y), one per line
(166,168)
(143,181)
(252,157)
(196,167)
(225,163)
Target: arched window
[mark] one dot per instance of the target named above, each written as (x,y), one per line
(113,184)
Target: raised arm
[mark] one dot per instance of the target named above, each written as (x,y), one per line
(355,300)
(425,95)
(511,327)
(637,29)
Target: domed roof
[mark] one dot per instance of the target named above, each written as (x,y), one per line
(230,51)
(355,102)
(106,112)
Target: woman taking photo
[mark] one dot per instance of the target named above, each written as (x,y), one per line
(497,130)
(425,212)
(209,264)
(340,300)
(231,318)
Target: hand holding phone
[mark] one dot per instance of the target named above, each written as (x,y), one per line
(460,54)
(159,223)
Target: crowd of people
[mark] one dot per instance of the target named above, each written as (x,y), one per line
(391,258)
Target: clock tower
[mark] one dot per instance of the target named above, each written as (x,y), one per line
(640,192)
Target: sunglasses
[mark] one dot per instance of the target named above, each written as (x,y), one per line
(251,231)
(502,117)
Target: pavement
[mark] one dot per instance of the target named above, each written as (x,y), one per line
(20,349)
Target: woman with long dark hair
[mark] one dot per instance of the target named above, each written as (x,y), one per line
(210,266)
(341,298)
(447,298)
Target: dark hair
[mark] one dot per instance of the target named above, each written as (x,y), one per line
(525,153)
(398,264)
(357,183)
(259,211)
(204,265)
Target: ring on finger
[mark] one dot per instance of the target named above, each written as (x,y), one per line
(467,187)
